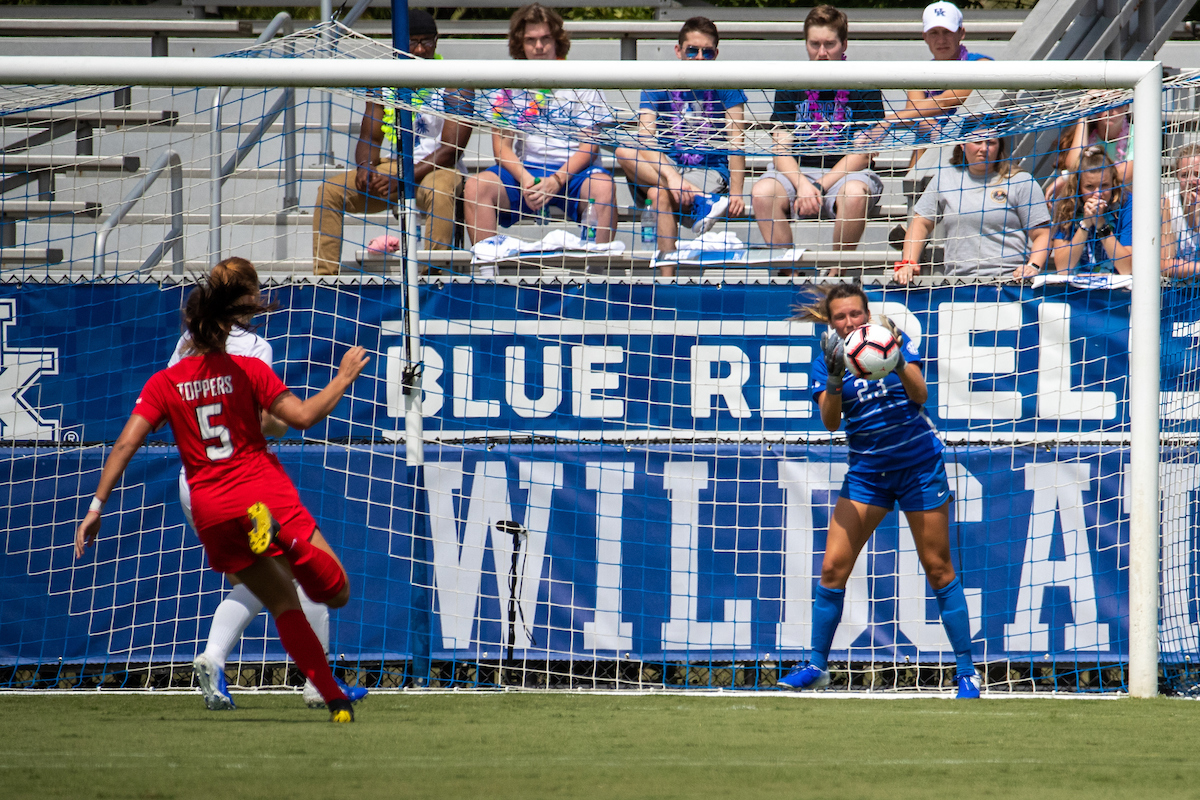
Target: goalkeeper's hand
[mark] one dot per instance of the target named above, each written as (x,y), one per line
(895,331)
(834,350)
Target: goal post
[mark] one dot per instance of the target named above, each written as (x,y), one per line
(1143,79)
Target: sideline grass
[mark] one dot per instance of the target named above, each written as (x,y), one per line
(563,746)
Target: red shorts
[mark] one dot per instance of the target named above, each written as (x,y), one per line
(228,547)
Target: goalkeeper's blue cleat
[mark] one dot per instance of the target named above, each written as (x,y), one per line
(806,677)
(706,210)
(212,684)
(313,699)
(968,687)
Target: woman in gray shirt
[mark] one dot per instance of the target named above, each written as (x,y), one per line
(995,217)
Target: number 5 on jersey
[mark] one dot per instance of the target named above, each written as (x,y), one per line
(204,415)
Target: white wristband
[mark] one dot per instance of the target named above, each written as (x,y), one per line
(97,505)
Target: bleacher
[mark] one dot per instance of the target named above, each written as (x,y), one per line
(66,170)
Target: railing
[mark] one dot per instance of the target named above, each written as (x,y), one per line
(220,172)
(174,238)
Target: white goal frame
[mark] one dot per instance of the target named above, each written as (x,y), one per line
(1145,78)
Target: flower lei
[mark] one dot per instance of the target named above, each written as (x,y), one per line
(817,117)
(681,116)
(536,101)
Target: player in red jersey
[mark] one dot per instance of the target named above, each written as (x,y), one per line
(247,512)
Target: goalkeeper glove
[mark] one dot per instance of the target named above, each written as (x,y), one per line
(835,359)
(895,331)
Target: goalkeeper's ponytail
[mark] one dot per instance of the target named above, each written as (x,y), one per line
(818,298)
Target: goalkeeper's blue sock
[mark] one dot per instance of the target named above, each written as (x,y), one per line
(827,613)
(952,603)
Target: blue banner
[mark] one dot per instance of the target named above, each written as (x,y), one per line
(652,553)
(633,549)
(601,359)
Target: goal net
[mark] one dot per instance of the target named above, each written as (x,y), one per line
(586,454)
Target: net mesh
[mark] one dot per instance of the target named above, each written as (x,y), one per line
(626,481)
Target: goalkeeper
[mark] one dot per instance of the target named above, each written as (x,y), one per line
(895,456)
(247,512)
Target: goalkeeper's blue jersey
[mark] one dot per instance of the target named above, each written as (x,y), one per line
(885,430)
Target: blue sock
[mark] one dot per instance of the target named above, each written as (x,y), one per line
(826,614)
(952,603)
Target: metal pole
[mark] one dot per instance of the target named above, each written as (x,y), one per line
(468,74)
(414,422)
(326,156)
(215,181)
(1144,358)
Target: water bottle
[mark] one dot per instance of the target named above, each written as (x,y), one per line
(591,221)
(649,223)
(542,215)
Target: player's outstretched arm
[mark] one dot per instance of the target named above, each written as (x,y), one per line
(131,438)
(303,414)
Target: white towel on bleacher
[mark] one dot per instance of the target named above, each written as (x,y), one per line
(708,248)
(557,241)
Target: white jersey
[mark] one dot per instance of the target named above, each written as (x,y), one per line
(241,342)
(543,119)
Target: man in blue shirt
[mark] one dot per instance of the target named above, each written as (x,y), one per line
(684,167)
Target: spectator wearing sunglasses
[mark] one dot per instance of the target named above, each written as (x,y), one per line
(832,185)
(684,168)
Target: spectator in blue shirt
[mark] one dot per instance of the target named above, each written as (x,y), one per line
(840,186)
(685,168)
(1093,220)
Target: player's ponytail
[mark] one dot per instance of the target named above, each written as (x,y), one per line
(236,270)
(216,305)
(818,297)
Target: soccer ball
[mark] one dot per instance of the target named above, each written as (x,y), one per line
(871,352)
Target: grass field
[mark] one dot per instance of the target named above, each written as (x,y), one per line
(562,746)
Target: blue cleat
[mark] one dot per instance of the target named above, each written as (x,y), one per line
(313,699)
(212,684)
(806,677)
(353,693)
(706,210)
(968,687)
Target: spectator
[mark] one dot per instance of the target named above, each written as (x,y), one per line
(690,177)
(1093,220)
(375,184)
(537,165)
(942,23)
(1181,217)
(842,187)
(995,217)
(1110,129)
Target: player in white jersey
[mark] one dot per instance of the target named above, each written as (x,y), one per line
(240,606)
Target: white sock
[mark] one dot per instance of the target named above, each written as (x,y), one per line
(318,617)
(237,610)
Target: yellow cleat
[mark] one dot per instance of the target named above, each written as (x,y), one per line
(341,711)
(263,528)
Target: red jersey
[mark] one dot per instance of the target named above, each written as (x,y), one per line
(213,403)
